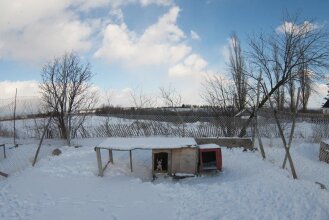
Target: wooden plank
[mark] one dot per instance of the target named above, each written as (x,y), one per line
(4,150)
(111,156)
(99,161)
(131,162)
(42,137)
(3,174)
(184,160)
(153,163)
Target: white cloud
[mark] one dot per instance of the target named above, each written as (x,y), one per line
(194,35)
(161,43)
(86,5)
(37,30)
(157,2)
(117,15)
(24,88)
(50,40)
(317,99)
(290,27)
(193,65)
(15,15)
(115,97)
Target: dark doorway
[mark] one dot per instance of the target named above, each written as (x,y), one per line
(209,159)
(160,162)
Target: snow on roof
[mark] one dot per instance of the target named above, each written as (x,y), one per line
(208,146)
(230,138)
(117,143)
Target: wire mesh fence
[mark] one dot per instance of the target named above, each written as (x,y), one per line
(182,123)
(156,125)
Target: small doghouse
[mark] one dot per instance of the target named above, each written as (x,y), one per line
(175,161)
(210,157)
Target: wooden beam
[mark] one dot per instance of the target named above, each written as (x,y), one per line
(111,156)
(45,128)
(4,150)
(99,161)
(3,174)
(131,162)
(15,103)
(153,164)
(261,147)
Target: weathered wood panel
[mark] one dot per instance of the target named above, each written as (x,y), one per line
(184,160)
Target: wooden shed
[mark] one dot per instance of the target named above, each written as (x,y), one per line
(170,155)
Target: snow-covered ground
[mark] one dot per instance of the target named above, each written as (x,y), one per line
(67,186)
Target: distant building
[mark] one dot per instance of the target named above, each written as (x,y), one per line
(325,107)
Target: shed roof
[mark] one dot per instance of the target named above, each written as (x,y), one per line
(117,143)
(209,146)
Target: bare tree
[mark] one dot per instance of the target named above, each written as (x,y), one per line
(298,43)
(142,100)
(305,83)
(291,87)
(219,94)
(279,94)
(170,97)
(238,72)
(66,90)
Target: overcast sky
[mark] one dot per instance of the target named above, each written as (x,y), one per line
(136,44)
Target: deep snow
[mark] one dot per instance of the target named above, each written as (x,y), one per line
(67,186)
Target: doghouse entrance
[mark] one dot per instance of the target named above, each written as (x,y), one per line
(160,162)
(209,160)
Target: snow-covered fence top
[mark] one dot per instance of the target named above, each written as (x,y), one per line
(117,143)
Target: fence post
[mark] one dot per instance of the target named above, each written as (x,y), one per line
(99,161)
(15,117)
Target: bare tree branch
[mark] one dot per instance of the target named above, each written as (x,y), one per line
(66,90)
